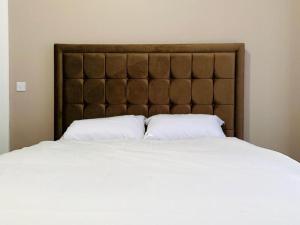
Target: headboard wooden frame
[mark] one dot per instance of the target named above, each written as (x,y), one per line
(107,80)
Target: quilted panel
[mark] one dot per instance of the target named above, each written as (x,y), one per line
(72,112)
(116,65)
(73,91)
(159,91)
(202,109)
(224,91)
(116,91)
(224,65)
(137,91)
(73,65)
(181,109)
(116,110)
(181,65)
(203,65)
(229,133)
(137,65)
(94,65)
(180,91)
(159,109)
(94,111)
(159,65)
(226,112)
(202,91)
(137,110)
(94,91)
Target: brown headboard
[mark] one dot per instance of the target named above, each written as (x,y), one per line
(107,80)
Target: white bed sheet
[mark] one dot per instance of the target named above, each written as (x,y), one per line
(208,181)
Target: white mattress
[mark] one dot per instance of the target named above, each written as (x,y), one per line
(206,181)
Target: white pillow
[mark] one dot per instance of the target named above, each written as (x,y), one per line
(184,126)
(118,127)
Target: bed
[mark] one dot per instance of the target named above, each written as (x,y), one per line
(132,182)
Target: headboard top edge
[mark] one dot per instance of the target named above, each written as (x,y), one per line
(191,47)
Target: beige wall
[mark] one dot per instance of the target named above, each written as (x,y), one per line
(264,25)
(295,86)
(4,78)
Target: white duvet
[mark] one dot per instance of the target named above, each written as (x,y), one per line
(208,181)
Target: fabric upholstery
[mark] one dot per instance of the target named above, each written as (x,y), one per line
(108,80)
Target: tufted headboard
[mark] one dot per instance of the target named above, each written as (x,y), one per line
(107,80)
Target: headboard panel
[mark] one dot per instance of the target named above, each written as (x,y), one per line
(107,80)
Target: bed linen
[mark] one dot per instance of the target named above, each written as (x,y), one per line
(205,181)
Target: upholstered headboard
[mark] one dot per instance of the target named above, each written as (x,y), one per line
(107,80)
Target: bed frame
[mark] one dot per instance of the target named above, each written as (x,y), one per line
(94,81)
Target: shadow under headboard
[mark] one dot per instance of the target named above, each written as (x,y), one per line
(94,81)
